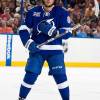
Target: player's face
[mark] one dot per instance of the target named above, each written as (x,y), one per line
(48,3)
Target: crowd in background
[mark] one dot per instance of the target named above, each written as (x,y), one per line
(80,11)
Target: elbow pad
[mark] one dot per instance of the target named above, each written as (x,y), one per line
(25,38)
(24,33)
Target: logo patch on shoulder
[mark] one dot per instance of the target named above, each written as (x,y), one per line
(36,14)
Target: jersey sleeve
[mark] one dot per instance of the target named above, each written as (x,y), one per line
(65,23)
(25,29)
(29,19)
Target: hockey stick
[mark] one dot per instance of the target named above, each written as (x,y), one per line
(22,12)
(60,35)
(75,27)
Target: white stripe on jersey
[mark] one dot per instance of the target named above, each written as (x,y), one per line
(51,47)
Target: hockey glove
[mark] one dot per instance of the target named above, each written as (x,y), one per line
(47,27)
(31,46)
(67,31)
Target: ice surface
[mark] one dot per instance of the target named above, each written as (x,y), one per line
(84,84)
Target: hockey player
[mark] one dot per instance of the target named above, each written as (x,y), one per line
(42,23)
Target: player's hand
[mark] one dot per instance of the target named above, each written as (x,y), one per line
(31,46)
(66,31)
(47,27)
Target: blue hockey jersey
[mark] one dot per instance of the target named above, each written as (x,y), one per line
(61,19)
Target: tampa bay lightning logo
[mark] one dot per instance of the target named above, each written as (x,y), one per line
(47,21)
(50,21)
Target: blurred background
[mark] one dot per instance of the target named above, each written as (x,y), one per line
(80,11)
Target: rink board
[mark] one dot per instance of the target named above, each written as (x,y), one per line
(82,52)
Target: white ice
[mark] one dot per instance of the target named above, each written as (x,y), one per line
(84,84)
